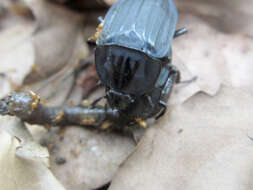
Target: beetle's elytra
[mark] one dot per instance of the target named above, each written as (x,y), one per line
(133,56)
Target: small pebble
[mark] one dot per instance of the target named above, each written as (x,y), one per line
(60,160)
(61,138)
(180,131)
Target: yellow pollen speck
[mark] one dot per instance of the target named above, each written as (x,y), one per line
(86,102)
(98,32)
(35,68)
(106,125)
(87,122)
(36,99)
(141,122)
(59,117)
(71,103)
(45,102)
(76,65)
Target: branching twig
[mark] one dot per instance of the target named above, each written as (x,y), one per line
(27,107)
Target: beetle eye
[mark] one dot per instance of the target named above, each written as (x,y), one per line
(126,70)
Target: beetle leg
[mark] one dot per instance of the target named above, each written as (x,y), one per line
(99,83)
(150,101)
(164,108)
(173,78)
(180,32)
(91,42)
(178,77)
(174,75)
(94,103)
(169,84)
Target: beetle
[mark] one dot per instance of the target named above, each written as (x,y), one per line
(133,57)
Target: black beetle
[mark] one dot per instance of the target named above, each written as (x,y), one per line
(133,57)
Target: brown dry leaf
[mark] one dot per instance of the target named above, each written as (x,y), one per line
(59,45)
(57,39)
(237,52)
(92,158)
(200,61)
(5,86)
(21,159)
(201,144)
(174,154)
(222,59)
(230,16)
(41,49)
(28,149)
(13,13)
(17,55)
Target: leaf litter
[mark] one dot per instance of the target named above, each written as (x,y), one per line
(202,138)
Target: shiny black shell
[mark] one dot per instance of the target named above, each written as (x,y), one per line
(144,25)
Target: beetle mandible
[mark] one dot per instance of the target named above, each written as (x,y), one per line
(133,57)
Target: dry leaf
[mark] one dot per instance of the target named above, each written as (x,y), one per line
(201,144)
(5,86)
(21,159)
(92,158)
(17,54)
(57,38)
(230,16)
(28,149)
(222,59)
(59,45)
(236,50)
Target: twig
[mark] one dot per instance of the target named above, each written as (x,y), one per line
(28,108)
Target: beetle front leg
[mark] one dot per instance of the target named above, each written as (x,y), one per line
(164,108)
(94,103)
(175,75)
(173,78)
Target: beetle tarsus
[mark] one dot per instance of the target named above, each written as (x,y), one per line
(176,74)
(164,108)
(180,32)
(174,78)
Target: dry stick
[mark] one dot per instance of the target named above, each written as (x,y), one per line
(28,108)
